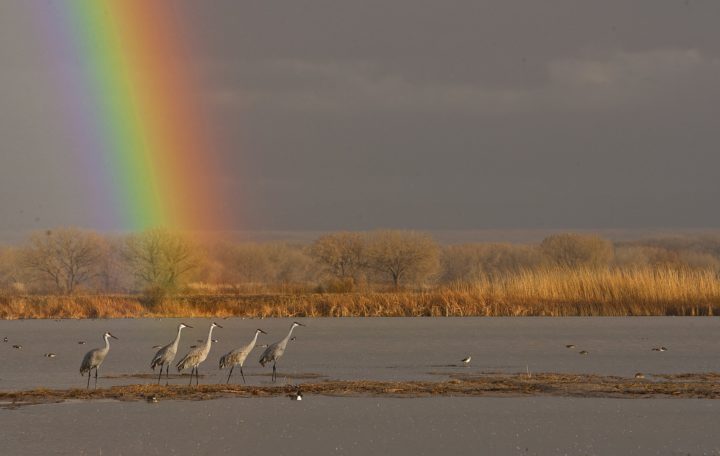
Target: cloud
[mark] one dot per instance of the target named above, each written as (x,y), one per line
(611,81)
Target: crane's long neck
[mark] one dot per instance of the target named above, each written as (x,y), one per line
(287,338)
(208,342)
(177,338)
(254,341)
(107,343)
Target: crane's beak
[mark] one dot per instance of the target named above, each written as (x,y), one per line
(188,326)
(218,326)
(262,331)
(299,324)
(113,336)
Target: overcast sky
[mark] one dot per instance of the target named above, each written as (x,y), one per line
(418,114)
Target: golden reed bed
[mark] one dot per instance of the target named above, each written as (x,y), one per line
(488,385)
(553,292)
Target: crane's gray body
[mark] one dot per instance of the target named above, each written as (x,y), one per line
(276,350)
(238,356)
(94,358)
(197,355)
(166,355)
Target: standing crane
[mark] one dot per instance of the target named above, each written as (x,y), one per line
(238,356)
(276,350)
(94,358)
(166,355)
(197,356)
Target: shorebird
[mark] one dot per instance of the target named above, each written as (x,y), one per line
(276,350)
(238,356)
(584,352)
(466,361)
(94,358)
(570,346)
(17,347)
(197,356)
(50,355)
(296,396)
(659,349)
(639,375)
(166,355)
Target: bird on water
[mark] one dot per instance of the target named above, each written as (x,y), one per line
(296,396)
(238,356)
(166,355)
(94,358)
(466,361)
(276,350)
(197,356)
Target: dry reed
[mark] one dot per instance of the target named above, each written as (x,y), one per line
(549,292)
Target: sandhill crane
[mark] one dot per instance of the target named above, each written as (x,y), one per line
(238,356)
(276,350)
(197,356)
(166,355)
(94,358)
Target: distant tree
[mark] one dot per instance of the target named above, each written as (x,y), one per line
(576,250)
(402,256)
(243,263)
(160,259)
(10,269)
(343,254)
(469,262)
(111,272)
(66,256)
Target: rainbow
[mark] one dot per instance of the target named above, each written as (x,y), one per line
(134,112)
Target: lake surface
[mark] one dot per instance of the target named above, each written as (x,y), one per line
(367,348)
(365,426)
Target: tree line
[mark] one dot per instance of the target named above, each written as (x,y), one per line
(71,260)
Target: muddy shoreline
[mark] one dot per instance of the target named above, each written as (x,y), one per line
(688,385)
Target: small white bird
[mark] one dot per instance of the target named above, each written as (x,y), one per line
(466,361)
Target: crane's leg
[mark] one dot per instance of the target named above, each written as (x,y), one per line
(96,369)
(231,369)
(191,374)
(89,375)
(167,374)
(274,376)
(197,376)
(160,376)
(243,375)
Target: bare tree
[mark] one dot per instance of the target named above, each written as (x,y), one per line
(576,250)
(343,254)
(402,255)
(469,262)
(242,263)
(159,258)
(9,268)
(65,256)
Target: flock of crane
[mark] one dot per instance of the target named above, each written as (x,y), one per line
(166,355)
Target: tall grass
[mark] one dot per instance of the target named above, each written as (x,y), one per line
(545,292)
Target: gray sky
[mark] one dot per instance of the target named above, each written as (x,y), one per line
(418,114)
